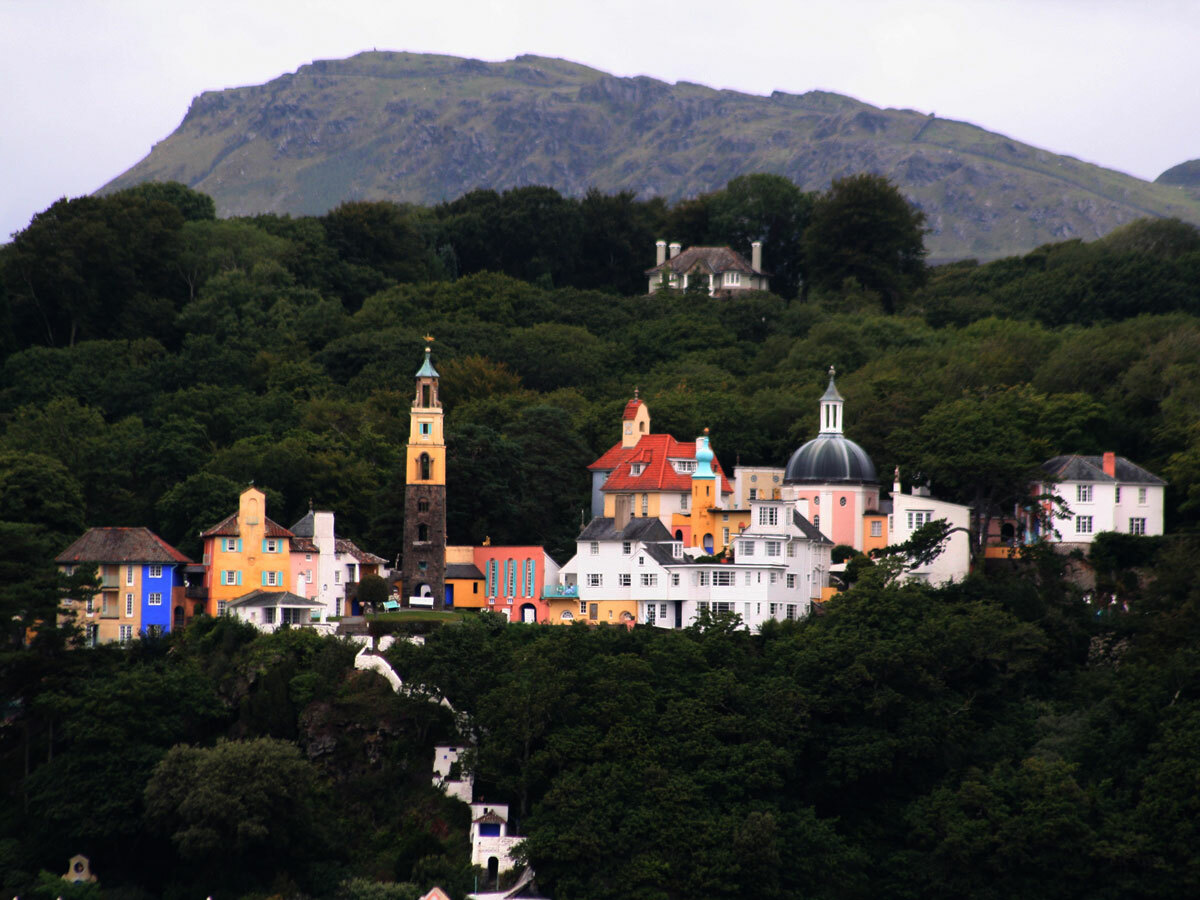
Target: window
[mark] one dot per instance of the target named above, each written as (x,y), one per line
(1141,496)
(704,579)
(772,609)
(791,549)
(876,528)
(675,579)
(422,506)
(753,493)
(645,503)
(156,571)
(422,533)
(747,579)
(1083,493)
(918,517)
(90,604)
(768,515)
(746,548)
(626,547)
(128,605)
(231,576)
(649,579)
(641,560)
(567,616)
(725,536)
(595,579)
(733,278)
(529,579)
(636,468)
(685,466)
(511,567)
(1117,494)
(129,574)
(426,429)
(593,610)
(650,611)
(583,607)
(683,501)
(791,611)
(624,579)
(308,557)
(662,609)
(126,633)
(774,548)
(308,576)
(595,548)
(1137,526)
(724,579)
(774,577)
(791,581)
(220,607)
(722,606)
(816,521)
(1083,524)
(841,501)
(272,579)
(91,635)
(229,545)
(270,545)
(154,599)
(424,467)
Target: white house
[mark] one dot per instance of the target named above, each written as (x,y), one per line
(444,759)
(330,565)
(639,573)
(719,270)
(908,512)
(269,610)
(1099,493)
(491,844)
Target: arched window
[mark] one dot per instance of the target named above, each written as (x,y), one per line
(425,467)
(641,426)
(708,544)
(422,506)
(529,578)
(510,578)
(422,532)
(491,578)
(678,534)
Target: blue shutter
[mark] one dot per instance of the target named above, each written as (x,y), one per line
(264,545)
(239,573)
(264,579)
(239,549)
(522,581)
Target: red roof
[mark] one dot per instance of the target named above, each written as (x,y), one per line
(653,451)
(228,527)
(631,408)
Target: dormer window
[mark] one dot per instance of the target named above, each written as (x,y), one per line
(684,466)
(636,468)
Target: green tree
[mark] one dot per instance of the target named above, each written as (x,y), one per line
(863,229)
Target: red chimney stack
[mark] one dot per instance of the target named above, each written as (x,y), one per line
(1110,465)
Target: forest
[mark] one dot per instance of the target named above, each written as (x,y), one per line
(1001,737)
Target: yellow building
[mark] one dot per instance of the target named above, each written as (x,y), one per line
(244,552)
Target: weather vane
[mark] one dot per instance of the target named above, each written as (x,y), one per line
(429,338)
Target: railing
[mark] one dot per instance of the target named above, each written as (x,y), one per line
(109,582)
(551,591)
(195,592)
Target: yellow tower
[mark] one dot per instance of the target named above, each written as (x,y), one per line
(425,495)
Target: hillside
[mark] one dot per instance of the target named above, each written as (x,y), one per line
(423,128)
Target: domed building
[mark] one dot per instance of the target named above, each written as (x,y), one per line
(831,479)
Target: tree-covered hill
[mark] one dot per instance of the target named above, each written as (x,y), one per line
(419,128)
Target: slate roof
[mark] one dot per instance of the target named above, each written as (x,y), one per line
(306,527)
(830,458)
(121,545)
(810,531)
(274,598)
(602,528)
(654,451)
(1091,468)
(463,570)
(345,545)
(228,527)
(664,555)
(707,259)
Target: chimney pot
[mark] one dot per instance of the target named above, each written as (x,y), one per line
(675,248)
(660,252)
(1110,464)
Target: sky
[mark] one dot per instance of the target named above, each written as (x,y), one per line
(88,86)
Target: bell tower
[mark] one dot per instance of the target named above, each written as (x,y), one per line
(424,568)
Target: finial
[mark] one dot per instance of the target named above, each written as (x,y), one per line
(428,339)
(635,393)
(706,430)
(831,373)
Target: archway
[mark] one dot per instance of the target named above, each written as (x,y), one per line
(493,871)
(708,544)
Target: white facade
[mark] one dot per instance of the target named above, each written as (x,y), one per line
(444,758)
(779,568)
(486,846)
(1092,507)
(910,511)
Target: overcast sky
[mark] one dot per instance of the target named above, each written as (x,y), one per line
(87,86)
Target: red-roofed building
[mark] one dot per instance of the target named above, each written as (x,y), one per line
(648,475)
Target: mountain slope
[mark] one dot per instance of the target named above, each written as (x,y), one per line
(424,128)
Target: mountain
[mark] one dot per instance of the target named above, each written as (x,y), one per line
(1186,174)
(424,128)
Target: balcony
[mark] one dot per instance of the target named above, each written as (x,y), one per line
(110,611)
(109,583)
(195,592)
(556,591)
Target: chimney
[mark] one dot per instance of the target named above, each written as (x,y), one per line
(756,256)
(621,507)
(660,252)
(1110,464)
(896,489)
(675,248)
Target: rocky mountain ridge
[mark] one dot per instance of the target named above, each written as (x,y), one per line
(423,128)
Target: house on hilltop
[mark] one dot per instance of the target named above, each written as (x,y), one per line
(1098,493)
(722,271)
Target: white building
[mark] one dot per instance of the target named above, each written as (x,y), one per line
(719,270)
(491,844)
(908,512)
(1099,493)
(637,572)
(331,564)
(270,610)
(445,757)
